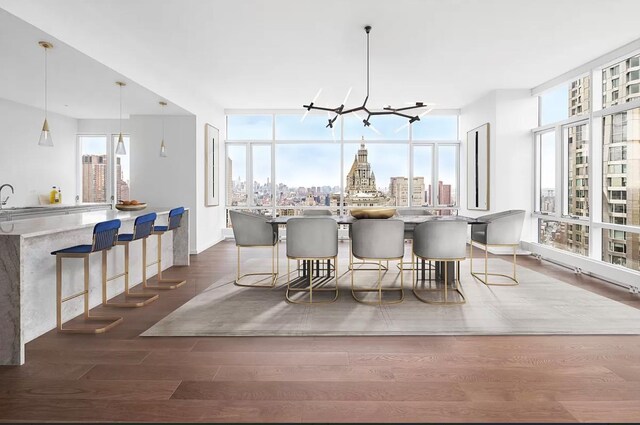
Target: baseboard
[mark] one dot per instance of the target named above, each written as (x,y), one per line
(196,252)
(581,264)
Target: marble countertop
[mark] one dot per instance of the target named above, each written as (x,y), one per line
(39,226)
(54,207)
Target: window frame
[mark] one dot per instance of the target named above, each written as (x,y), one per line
(595,121)
(409,143)
(111,178)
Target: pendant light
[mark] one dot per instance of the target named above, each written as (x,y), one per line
(386,110)
(120,149)
(163,148)
(45,135)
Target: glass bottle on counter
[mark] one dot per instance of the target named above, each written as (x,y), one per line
(52,195)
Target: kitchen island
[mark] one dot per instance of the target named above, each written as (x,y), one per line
(28,275)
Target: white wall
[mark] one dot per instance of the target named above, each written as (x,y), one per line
(33,169)
(170,181)
(511,114)
(102,126)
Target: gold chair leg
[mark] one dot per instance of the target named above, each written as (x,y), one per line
(486,273)
(85,294)
(145,299)
(379,289)
(161,283)
(275,271)
(310,288)
(445,289)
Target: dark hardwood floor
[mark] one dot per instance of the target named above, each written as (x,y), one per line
(120,376)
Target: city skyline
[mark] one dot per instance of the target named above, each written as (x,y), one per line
(395,192)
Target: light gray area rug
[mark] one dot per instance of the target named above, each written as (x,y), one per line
(540,305)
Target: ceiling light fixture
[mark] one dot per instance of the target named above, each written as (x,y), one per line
(45,134)
(163,148)
(387,110)
(120,149)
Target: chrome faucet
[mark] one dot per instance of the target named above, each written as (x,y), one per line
(4,202)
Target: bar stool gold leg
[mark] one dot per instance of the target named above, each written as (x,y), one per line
(161,283)
(145,299)
(85,294)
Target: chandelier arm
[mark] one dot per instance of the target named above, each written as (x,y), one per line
(356,109)
(407,108)
(320,108)
(374,113)
(409,117)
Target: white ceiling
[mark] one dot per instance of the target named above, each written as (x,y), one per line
(79,86)
(276,54)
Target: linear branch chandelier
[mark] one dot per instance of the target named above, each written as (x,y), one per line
(387,110)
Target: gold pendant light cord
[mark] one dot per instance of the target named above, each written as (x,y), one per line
(120,111)
(45,84)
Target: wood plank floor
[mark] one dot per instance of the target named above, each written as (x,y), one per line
(119,376)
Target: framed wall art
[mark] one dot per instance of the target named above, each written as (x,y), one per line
(478,168)
(212,153)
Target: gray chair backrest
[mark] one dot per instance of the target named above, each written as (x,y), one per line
(313,213)
(414,211)
(504,227)
(312,237)
(377,238)
(252,229)
(440,240)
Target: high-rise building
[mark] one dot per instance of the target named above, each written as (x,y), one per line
(621,163)
(94,186)
(94,181)
(361,182)
(444,194)
(229,180)
(399,191)
(122,186)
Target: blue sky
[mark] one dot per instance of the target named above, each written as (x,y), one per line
(319,164)
(554,104)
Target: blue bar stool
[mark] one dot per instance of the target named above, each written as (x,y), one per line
(105,235)
(142,228)
(175,219)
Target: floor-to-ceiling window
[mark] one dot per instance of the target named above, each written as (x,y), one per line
(279,164)
(103,176)
(587,190)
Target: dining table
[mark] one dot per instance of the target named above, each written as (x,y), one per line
(410,222)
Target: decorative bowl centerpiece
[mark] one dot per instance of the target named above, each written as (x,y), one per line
(132,205)
(372,212)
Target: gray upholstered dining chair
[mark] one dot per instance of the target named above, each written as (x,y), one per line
(316,213)
(378,240)
(444,242)
(251,231)
(501,229)
(409,228)
(312,239)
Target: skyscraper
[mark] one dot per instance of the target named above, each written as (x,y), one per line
(361,182)
(399,191)
(229,180)
(94,186)
(621,163)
